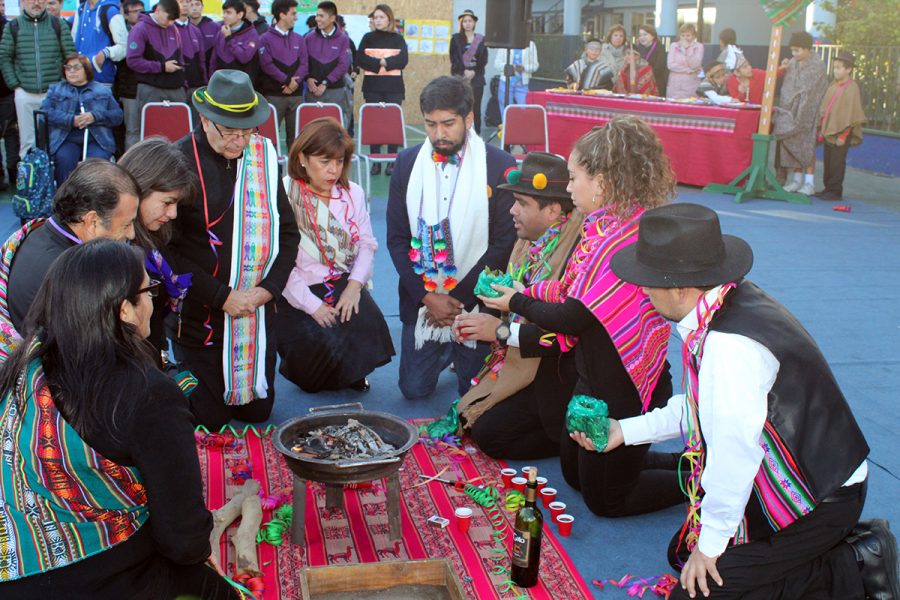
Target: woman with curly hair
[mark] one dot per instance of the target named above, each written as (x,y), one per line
(616,172)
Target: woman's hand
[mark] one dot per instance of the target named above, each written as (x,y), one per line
(475,326)
(325,316)
(614,439)
(348,303)
(500,303)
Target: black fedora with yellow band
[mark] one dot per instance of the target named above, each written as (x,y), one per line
(541,174)
(230,101)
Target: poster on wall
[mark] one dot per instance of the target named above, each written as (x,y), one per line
(427,36)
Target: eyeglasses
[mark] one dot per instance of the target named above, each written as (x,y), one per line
(233,135)
(74,67)
(152,289)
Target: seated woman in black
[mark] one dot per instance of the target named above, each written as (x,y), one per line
(615,173)
(101,491)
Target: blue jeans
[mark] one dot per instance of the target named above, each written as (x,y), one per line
(68,155)
(420,369)
(517,91)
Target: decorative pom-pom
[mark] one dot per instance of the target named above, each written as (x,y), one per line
(513,175)
(440,256)
(440,244)
(418,269)
(431,272)
(449,270)
(415,243)
(490,192)
(450,283)
(415,255)
(539,181)
(430,286)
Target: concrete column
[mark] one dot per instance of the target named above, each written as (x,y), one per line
(667,17)
(572,17)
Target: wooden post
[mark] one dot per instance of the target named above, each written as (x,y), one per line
(700,7)
(765,117)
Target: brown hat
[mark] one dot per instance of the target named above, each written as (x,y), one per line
(846,58)
(801,39)
(542,175)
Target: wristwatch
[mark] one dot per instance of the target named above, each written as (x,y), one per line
(502,332)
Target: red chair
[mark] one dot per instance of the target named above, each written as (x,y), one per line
(525,125)
(171,120)
(311,111)
(269,129)
(380,124)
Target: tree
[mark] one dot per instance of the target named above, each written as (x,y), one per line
(863,22)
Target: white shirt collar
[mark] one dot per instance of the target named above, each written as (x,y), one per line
(282,31)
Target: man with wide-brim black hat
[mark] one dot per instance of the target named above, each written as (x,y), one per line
(239,241)
(777,462)
(517,407)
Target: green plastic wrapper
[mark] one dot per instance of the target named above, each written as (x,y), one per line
(591,417)
(446,425)
(486,278)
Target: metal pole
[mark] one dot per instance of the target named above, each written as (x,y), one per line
(700,21)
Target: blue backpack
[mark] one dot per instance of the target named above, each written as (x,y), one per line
(35,185)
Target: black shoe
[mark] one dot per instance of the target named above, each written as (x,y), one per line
(875,548)
(360,386)
(376,169)
(389,169)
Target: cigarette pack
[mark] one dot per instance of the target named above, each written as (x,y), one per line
(436,521)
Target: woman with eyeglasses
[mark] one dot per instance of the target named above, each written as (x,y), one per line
(331,334)
(100,490)
(164,176)
(82,114)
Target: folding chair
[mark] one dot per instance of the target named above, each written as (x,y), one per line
(380,124)
(310,111)
(525,125)
(269,129)
(171,120)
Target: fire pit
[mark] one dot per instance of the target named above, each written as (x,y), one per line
(335,473)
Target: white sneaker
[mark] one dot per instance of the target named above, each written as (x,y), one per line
(793,185)
(807,189)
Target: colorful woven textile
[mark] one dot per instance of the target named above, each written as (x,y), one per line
(63,501)
(359,533)
(705,144)
(782,12)
(255,246)
(9,337)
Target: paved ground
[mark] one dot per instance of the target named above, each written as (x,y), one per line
(837,271)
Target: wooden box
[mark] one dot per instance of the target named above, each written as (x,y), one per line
(378,576)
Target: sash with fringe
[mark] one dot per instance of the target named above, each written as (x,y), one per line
(63,502)
(254,249)
(506,371)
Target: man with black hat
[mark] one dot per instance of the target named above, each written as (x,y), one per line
(776,459)
(796,117)
(239,241)
(517,407)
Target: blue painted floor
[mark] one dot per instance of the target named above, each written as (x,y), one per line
(838,272)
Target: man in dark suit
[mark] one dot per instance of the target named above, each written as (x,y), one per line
(447,220)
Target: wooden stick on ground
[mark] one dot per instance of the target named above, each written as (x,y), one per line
(244,539)
(225,516)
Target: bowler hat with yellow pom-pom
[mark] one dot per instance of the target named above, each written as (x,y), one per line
(541,174)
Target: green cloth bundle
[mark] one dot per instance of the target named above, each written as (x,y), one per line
(591,417)
(487,277)
(444,426)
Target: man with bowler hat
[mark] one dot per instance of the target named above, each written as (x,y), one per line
(239,241)
(776,459)
(517,407)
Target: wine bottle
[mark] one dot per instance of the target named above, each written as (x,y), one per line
(527,534)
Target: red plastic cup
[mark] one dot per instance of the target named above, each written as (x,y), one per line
(556,508)
(565,524)
(463,516)
(548,495)
(525,471)
(541,483)
(506,475)
(518,484)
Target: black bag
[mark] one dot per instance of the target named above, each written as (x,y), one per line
(492,116)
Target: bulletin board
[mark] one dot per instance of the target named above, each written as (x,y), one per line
(423,66)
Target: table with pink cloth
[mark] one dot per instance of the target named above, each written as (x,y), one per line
(705,144)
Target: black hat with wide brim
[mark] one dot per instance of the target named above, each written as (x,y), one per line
(681,245)
(230,101)
(541,174)
(467,13)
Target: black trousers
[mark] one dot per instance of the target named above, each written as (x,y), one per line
(478,93)
(514,429)
(806,560)
(387,98)
(835,164)
(9,131)
(207,400)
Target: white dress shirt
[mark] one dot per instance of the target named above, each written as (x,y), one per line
(736,375)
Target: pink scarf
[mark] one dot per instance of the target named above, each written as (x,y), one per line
(638,332)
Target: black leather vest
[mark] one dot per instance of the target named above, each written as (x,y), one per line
(805,405)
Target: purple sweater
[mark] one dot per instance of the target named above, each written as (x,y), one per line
(237,51)
(209,29)
(192,52)
(329,57)
(149,47)
(281,57)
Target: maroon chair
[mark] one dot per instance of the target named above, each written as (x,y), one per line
(171,120)
(380,124)
(525,125)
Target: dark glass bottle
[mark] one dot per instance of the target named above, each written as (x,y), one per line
(527,534)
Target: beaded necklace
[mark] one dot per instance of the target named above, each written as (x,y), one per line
(431,249)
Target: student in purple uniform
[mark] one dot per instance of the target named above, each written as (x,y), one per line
(283,64)
(236,42)
(195,73)
(208,28)
(154,54)
(328,49)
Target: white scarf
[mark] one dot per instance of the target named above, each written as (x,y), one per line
(469,216)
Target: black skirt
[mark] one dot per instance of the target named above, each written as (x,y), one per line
(331,358)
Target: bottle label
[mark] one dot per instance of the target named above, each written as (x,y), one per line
(521,547)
